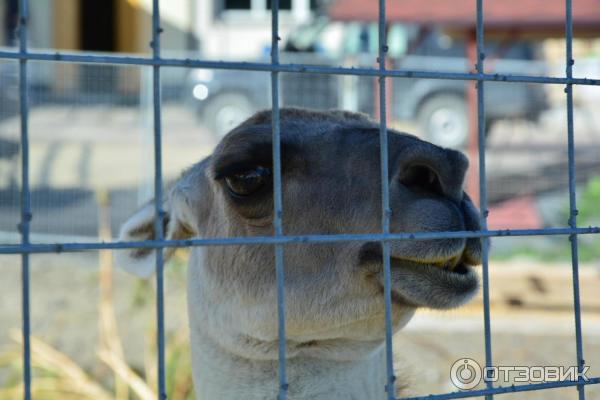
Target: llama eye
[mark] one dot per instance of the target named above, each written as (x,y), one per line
(248,182)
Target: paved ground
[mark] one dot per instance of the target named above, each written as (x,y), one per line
(77,152)
(106,147)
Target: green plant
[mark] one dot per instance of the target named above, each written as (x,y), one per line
(589,203)
(559,248)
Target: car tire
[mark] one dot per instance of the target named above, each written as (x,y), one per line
(443,120)
(226,111)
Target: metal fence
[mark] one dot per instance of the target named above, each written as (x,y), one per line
(279,240)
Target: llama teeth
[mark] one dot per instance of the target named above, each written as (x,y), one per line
(447,265)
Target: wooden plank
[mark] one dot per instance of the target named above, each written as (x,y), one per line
(527,286)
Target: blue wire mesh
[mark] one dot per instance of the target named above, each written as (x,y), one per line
(26,248)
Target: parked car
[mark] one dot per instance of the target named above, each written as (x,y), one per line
(224,98)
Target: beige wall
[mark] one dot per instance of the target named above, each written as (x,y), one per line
(66,24)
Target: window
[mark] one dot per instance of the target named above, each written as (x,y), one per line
(236,5)
(254,5)
(283,4)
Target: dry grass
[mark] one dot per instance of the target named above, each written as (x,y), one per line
(57,376)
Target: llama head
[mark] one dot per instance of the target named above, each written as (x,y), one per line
(331,184)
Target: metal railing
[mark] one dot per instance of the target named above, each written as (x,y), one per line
(26,248)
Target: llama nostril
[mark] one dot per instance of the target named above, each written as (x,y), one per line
(421,179)
(432,170)
(370,252)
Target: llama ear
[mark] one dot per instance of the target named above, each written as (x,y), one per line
(178,224)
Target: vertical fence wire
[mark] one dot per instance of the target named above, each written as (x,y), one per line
(158,202)
(25,197)
(572,192)
(483,201)
(385,205)
(277,200)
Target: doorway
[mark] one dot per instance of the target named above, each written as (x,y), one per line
(97,27)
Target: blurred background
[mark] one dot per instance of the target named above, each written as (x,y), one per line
(91,129)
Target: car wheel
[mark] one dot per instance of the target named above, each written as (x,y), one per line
(226,111)
(443,121)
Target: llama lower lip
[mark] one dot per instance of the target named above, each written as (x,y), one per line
(415,283)
(450,267)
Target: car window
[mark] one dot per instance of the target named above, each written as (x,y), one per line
(331,39)
(321,36)
(338,39)
(437,43)
(304,37)
(358,38)
(511,50)
(353,43)
(364,38)
(397,39)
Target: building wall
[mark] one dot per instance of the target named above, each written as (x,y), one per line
(40,29)
(41,26)
(192,28)
(242,34)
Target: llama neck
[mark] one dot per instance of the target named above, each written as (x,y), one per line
(221,375)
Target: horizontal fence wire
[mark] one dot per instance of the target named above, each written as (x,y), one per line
(288,67)
(256,240)
(505,390)
(279,240)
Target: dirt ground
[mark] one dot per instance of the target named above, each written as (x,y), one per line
(64,313)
